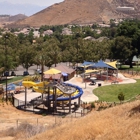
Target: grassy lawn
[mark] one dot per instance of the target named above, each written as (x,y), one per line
(126,67)
(110,93)
(16,78)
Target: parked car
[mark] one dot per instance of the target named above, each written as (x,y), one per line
(13,73)
(6,73)
(39,71)
(25,73)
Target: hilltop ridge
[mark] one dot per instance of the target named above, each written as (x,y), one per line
(81,12)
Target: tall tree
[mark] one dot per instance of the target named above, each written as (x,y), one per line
(131,29)
(122,48)
(26,56)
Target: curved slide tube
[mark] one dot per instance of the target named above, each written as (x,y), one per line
(75,95)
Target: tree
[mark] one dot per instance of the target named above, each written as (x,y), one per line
(122,48)
(41,57)
(131,29)
(53,50)
(26,56)
(8,46)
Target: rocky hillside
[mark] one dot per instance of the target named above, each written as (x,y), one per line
(81,12)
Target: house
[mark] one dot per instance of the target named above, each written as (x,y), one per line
(48,32)
(66,72)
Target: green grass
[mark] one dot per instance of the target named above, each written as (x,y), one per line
(126,67)
(16,78)
(110,93)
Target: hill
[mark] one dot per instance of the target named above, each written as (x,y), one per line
(81,12)
(6,19)
(117,123)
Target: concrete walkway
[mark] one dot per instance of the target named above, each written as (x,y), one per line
(88,95)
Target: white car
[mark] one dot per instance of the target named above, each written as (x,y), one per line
(39,71)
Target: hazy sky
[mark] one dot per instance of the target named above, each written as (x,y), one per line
(36,2)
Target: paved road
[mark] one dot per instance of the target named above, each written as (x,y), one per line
(19,70)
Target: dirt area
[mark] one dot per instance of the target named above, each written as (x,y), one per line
(132,76)
(11,117)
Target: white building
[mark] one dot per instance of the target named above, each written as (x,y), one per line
(124,8)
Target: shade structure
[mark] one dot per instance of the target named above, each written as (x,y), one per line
(90,71)
(52,71)
(87,63)
(112,64)
(102,64)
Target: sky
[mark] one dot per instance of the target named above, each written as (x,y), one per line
(36,2)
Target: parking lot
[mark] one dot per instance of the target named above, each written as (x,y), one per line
(20,70)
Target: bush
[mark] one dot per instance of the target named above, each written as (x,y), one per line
(121,97)
(25,130)
(92,105)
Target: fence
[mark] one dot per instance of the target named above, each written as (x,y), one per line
(45,121)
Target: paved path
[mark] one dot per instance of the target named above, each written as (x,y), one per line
(88,95)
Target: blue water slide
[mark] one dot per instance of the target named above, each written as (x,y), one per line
(62,98)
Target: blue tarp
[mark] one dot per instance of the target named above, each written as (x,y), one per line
(11,87)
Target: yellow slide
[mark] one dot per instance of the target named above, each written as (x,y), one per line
(38,87)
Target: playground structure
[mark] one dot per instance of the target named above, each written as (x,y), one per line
(57,95)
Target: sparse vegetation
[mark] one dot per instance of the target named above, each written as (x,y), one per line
(24,131)
(116,123)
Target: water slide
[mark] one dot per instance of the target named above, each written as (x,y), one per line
(38,87)
(62,92)
(76,92)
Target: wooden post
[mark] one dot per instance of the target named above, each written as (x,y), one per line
(48,99)
(25,98)
(55,98)
(81,113)
(37,121)
(70,103)
(79,101)
(17,123)
(62,104)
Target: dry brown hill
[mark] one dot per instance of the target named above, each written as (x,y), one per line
(117,123)
(10,19)
(80,12)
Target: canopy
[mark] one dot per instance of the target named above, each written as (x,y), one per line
(83,66)
(90,71)
(102,64)
(52,71)
(87,63)
(112,64)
